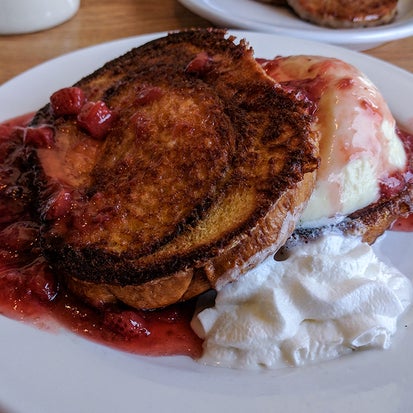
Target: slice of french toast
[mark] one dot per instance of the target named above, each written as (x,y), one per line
(200,170)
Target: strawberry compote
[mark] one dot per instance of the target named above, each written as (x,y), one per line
(406,223)
(30,291)
(403,224)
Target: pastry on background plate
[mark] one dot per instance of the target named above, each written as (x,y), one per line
(342,13)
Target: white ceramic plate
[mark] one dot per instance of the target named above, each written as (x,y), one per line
(59,372)
(252,15)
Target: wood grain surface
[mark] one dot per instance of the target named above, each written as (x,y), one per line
(100,21)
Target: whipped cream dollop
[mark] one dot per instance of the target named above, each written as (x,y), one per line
(359,144)
(327,298)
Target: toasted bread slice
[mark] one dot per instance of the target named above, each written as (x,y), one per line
(345,13)
(203,173)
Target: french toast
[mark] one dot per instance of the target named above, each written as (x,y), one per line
(368,223)
(345,13)
(202,172)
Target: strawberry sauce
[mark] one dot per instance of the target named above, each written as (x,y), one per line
(403,224)
(406,223)
(31,292)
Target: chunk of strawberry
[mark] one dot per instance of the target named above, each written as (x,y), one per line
(200,64)
(6,131)
(58,204)
(19,236)
(11,283)
(127,323)
(148,94)
(67,101)
(392,185)
(39,137)
(96,118)
(40,281)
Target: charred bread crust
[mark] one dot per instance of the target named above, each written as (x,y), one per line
(267,173)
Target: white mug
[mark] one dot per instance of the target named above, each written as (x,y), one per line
(25,16)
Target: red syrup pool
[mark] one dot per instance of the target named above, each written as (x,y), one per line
(30,292)
(404,224)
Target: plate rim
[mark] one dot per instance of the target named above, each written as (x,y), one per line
(93,355)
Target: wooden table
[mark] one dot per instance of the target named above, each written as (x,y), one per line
(99,21)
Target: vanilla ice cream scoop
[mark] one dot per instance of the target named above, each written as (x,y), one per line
(359,145)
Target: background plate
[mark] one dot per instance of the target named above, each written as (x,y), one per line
(252,15)
(43,371)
